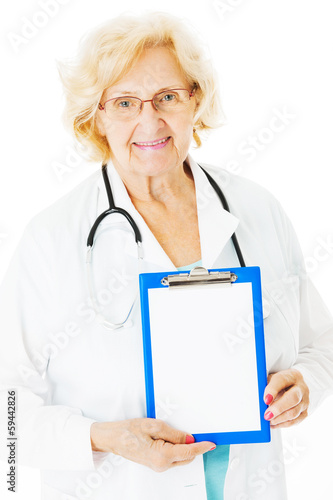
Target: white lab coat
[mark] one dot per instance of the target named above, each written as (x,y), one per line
(92,374)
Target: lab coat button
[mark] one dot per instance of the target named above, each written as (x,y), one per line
(234,463)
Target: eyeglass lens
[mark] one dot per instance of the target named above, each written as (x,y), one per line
(127,107)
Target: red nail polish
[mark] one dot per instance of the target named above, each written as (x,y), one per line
(189,439)
(268,415)
(268,399)
(213,448)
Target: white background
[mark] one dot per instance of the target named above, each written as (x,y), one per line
(269,55)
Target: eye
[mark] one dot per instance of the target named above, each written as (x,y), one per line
(124,104)
(171,96)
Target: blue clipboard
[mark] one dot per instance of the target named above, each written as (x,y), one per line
(236,337)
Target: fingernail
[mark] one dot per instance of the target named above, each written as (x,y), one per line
(212,448)
(189,439)
(268,415)
(268,399)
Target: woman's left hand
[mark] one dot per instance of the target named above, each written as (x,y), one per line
(288,397)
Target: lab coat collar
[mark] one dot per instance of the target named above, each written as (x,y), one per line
(216,225)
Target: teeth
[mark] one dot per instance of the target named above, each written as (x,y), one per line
(152,143)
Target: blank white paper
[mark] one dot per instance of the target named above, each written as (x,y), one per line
(204,358)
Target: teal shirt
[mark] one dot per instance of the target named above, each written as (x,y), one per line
(216,461)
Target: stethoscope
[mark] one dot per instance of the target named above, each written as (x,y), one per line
(138,239)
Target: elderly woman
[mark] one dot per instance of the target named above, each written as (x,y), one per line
(137,95)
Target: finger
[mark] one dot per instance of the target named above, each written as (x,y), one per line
(277,382)
(286,403)
(280,394)
(189,452)
(166,454)
(289,423)
(290,414)
(158,429)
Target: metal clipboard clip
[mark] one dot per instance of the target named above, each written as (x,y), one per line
(199,276)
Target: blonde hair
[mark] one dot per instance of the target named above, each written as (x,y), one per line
(108,53)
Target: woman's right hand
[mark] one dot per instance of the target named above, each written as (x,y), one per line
(147,441)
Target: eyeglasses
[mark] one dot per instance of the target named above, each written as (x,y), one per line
(128,107)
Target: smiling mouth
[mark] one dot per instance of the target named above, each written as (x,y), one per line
(161,141)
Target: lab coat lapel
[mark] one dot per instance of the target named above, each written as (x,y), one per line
(152,250)
(216,225)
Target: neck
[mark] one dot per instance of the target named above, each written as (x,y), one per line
(164,188)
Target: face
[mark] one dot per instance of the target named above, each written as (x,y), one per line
(156,70)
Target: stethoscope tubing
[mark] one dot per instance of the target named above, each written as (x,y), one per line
(225,205)
(138,238)
(112,210)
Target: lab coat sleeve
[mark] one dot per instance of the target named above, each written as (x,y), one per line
(49,436)
(315,353)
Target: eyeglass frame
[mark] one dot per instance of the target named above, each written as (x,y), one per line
(191,93)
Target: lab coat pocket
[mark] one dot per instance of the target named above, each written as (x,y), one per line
(281,300)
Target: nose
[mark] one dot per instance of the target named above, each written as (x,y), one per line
(152,103)
(150,118)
